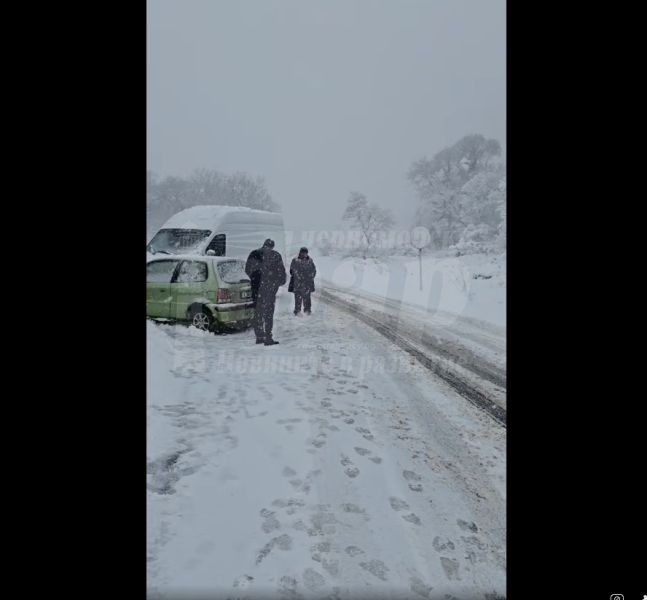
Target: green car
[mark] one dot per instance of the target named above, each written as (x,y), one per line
(212,293)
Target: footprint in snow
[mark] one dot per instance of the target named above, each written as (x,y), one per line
(313,580)
(440,546)
(353,550)
(450,566)
(282,542)
(330,566)
(398,504)
(412,518)
(288,588)
(375,567)
(288,503)
(364,452)
(321,547)
(270,522)
(352,508)
(465,526)
(418,586)
(366,433)
(243,581)
(319,441)
(351,470)
(412,476)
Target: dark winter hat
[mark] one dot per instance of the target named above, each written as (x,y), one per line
(268,243)
(303,250)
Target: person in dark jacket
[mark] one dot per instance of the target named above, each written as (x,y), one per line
(253,270)
(302,283)
(272,277)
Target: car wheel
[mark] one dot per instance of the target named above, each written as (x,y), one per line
(201,319)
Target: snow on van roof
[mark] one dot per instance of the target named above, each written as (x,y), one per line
(206,216)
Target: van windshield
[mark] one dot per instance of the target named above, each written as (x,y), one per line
(177,241)
(232,271)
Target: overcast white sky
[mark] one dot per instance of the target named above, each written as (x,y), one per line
(321,97)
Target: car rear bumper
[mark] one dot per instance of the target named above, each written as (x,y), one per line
(225,308)
(233,313)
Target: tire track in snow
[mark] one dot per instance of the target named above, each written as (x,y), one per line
(466,388)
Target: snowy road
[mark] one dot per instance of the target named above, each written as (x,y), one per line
(330,466)
(467,353)
(477,344)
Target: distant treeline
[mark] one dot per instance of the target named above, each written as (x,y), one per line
(165,197)
(461,197)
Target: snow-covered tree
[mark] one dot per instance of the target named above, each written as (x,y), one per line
(481,199)
(442,214)
(369,219)
(454,189)
(169,196)
(242,190)
(207,186)
(475,153)
(485,210)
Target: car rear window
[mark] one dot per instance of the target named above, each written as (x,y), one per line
(232,271)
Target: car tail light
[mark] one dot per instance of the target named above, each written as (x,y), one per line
(223,295)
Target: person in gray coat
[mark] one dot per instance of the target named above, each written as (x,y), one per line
(302,282)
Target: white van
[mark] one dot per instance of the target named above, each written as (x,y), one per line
(218,231)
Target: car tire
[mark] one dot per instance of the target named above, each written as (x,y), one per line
(202,319)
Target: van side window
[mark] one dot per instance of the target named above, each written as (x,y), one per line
(160,271)
(219,244)
(192,272)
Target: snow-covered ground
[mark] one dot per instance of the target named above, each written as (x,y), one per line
(471,286)
(331,465)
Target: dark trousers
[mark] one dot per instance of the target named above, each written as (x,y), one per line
(255,280)
(298,298)
(264,314)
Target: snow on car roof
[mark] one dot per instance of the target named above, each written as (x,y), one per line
(162,256)
(205,216)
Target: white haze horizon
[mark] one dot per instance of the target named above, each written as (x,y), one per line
(321,98)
